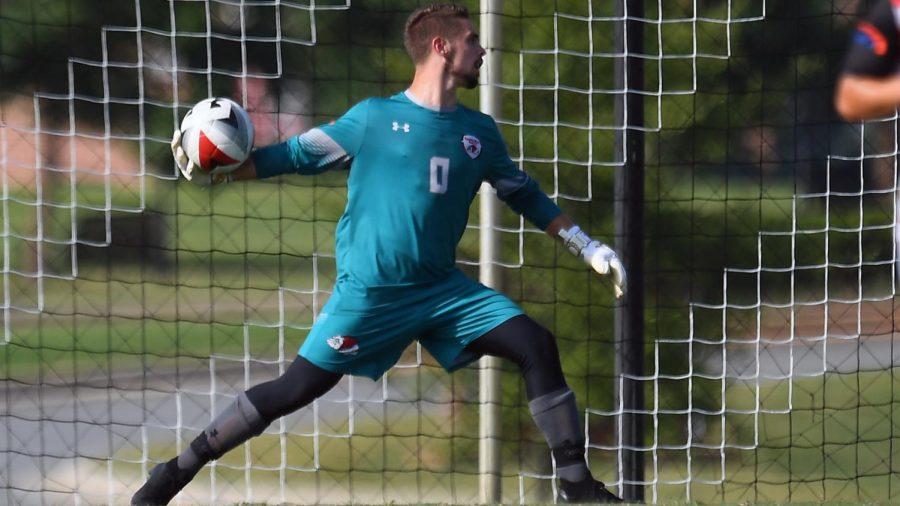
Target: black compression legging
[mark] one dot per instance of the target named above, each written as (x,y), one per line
(302,383)
(529,345)
(520,339)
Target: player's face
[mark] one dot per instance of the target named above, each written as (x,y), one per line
(466,57)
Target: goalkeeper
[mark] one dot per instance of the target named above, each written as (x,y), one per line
(417,160)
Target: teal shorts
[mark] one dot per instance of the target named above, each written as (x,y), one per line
(364,330)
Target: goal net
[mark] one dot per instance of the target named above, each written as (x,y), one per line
(136,306)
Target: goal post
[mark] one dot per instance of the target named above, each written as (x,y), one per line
(490,394)
(629,217)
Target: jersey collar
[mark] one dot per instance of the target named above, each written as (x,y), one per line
(414,99)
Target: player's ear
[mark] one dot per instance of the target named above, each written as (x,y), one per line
(440,46)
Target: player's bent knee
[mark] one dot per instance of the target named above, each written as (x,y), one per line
(541,366)
(539,346)
(546,342)
(521,340)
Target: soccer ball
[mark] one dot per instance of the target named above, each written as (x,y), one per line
(217,135)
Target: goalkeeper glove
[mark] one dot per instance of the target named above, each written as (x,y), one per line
(596,254)
(190,170)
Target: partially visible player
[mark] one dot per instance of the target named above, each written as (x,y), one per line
(869,84)
(416,161)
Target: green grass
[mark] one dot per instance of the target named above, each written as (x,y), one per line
(229,251)
(837,444)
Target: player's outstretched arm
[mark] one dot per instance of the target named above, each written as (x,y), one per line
(324,148)
(524,196)
(858,98)
(310,153)
(599,256)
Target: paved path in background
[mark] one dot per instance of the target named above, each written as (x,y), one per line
(844,339)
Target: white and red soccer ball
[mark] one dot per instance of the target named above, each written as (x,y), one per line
(217,135)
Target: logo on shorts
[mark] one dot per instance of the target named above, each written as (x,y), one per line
(344,345)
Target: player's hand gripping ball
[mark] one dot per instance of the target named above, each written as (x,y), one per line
(215,138)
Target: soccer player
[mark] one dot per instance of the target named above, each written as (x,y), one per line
(869,84)
(416,161)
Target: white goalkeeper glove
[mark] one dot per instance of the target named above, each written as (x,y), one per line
(189,169)
(598,255)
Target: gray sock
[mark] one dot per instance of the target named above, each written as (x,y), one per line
(556,414)
(237,423)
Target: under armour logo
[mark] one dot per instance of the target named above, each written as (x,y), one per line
(396,126)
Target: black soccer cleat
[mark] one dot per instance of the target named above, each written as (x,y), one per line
(164,482)
(586,491)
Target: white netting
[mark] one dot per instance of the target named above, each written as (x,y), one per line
(566,92)
(792,359)
(113,366)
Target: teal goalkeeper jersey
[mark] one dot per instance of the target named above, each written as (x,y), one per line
(414,172)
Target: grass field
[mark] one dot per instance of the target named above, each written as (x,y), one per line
(838,442)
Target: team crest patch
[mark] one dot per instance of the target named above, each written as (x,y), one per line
(345,345)
(472,146)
